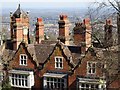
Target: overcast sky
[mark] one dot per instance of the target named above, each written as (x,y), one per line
(49,0)
(46,3)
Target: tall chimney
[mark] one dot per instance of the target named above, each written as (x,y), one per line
(19,26)
(39,31)
(108,40)
(82,34)
(88,32)
(18,32)
(64,29)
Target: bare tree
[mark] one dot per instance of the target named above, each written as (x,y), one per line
(98,12)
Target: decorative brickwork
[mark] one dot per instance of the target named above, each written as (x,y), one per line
(19,25)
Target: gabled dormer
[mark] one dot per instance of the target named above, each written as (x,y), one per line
(57,68)
(89,73)
(22,66)
(22,58)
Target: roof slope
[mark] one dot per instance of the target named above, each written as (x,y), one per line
(18,12)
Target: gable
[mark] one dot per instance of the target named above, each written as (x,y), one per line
(82,68)
(22,59)
(58,52)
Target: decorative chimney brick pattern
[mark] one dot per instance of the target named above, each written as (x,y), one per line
(19,25)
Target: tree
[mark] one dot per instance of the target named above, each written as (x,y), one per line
(108,56)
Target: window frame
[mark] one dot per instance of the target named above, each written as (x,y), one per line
(23,59)
(58,57)
(91,84)
(55,82)
(91,67)
(17,81)
(88,86)
(28,74)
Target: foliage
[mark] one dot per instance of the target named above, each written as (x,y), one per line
(6,85)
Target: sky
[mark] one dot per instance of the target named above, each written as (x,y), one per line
(26,4)
(46,3)
(49,0)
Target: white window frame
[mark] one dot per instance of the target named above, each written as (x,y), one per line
(55,83)
(21,81)
(16,79)
(23,59)
(58,67)
(89,82)
(91,67)
(89,86)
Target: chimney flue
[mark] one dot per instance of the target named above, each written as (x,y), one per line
(39,34)
(64,29)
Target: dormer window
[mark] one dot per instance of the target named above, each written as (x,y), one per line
(91,67)
(59,62)
(23,59)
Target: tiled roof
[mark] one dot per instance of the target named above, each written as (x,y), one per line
(40,52)
(76,53)
(18,12)
(7,55)
(48,42)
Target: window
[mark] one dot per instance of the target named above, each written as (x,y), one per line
(19,80)
(23,59)
(59,62)
(91,67)
(88,86)
(53,83)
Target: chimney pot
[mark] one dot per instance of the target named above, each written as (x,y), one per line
(39,19)
(63,17)
(109,22)
(86,21)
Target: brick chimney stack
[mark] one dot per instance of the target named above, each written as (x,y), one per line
(19,25)
(39,30)
(108,40)
(64,29)
(82,34)
(87,32)
(18,32)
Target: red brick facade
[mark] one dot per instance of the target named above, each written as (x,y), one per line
(49,66)
(15,63)
(61,63)
(31,65)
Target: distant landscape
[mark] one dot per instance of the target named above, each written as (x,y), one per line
(50,17)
